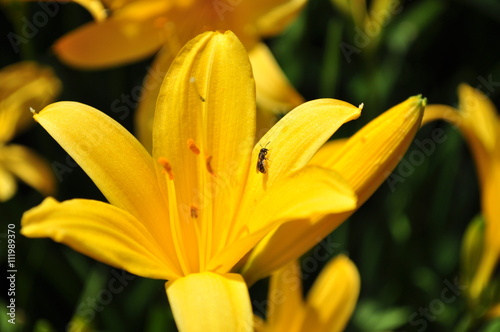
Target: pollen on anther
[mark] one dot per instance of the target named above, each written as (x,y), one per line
(209,165)
(194,212)
(166,167)
(192,146)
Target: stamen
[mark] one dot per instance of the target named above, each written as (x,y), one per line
(33,111)
(194,212)
(193,81)
(166,167)
(193,147)
(209,165)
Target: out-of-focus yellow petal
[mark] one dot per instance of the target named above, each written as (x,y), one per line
(8,185)
(209,302)
(441,112)
(333,297)
(277,19)
(285,304)
(259,325)
(308,192)
(95,8)
(101,231)
(274,92)
(371,154)
(29,167)
(151,88)
(491,250)
(480,114)
(113,42)
(380,14)
(24,85)
(490,199)
(249,12)
(116,162)
(465,123)
(494,312)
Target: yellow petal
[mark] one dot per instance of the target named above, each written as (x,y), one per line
(490,197)
(278,18)
(295,139)
(275,94)
(101,231)
(8,185)
(114,42)
(204,127)
(29,167)
(480,114)
(465,123)
(363,161)
(206,302)
(24,85)
(286,307)
(491,250)
(116,162)
(151,88)
(250,12)
(371,154)
(493,312)
(290,241)
(441,112)
(332,299)
(309,192)
(328,151)
(95,8)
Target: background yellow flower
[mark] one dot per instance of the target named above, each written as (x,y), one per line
(23,85)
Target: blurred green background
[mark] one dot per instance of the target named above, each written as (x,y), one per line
(405,240)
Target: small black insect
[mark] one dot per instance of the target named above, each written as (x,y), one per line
(261,162)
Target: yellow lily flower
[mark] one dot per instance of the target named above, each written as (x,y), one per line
(127,31)
(23,85)
(193,209)
(364,161)
(479,122)
(329,304)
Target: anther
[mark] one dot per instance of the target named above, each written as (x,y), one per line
(33,110)
(166,167)
(209,165)
(194,212)
(192,146)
